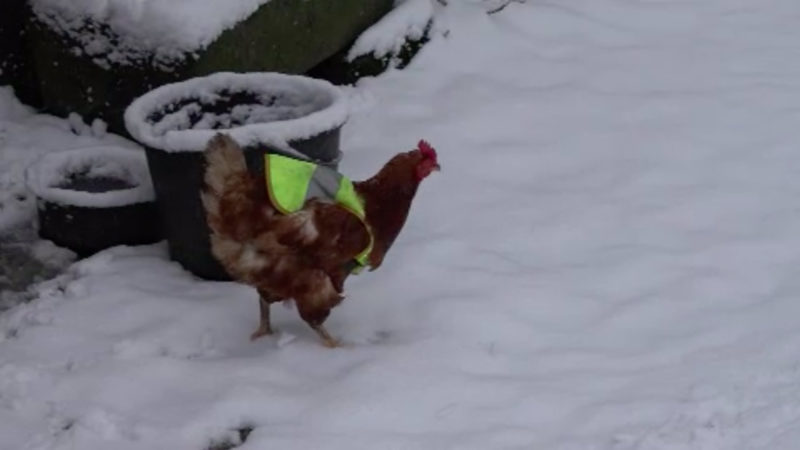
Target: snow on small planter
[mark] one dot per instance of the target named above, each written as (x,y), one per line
(264,112)
(94,198)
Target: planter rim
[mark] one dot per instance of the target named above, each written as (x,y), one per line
(277,134)
(44,175)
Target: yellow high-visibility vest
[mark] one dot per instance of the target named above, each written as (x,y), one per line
(292,182)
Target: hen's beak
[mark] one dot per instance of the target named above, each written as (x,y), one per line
(437,168)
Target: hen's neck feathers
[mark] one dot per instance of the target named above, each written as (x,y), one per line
(387,200)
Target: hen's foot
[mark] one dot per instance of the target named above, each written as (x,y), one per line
(327,340)
(261,331)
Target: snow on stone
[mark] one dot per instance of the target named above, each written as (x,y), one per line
(48,176)
(407,21)
(176,117)
(11,108)
(165,29)
(608,260)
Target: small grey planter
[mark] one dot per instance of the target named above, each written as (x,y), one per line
(95,198)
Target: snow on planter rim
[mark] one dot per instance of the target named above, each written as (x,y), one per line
(45,176)
(328,101)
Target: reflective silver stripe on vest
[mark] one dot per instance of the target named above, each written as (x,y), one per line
(324,184)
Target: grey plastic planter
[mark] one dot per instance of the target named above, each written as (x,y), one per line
(264,112)
(95,198)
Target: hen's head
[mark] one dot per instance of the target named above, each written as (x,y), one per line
(427,161)
(408,168)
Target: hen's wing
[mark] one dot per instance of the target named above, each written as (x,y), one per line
(324,235)
(296,253)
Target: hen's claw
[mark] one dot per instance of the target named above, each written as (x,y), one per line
(332,343)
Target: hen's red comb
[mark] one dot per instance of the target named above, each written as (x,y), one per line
(426,149)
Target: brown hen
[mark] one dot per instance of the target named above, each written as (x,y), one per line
(305,255)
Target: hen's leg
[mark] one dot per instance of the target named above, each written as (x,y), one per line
(264,326)
(315,297)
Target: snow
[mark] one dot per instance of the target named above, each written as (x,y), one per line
(48,177)
(25,261)
(608,260)
(285,108)
(407,21)
(166,30)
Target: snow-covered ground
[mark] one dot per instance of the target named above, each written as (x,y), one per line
(610,259)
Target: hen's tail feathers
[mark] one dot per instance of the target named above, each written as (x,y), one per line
(228,196)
